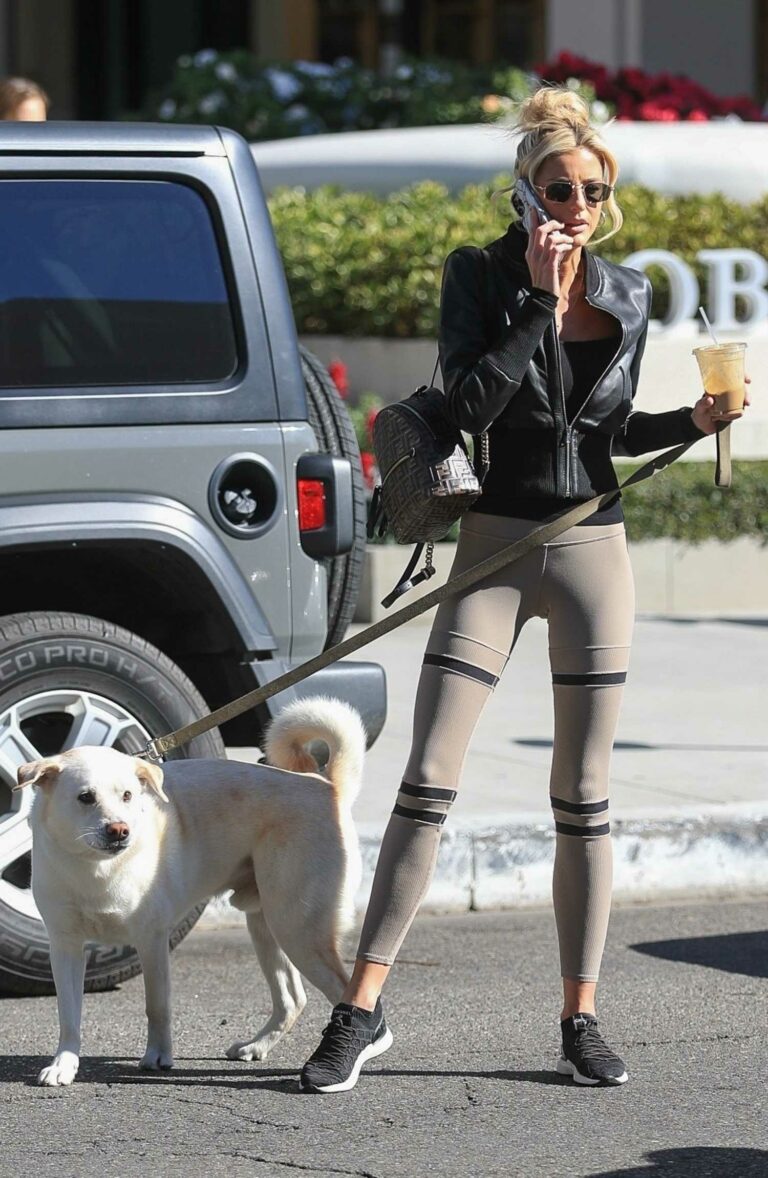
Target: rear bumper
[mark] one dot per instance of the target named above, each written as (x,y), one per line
(362,685)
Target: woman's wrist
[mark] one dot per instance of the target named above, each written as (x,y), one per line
(548,297)
(544,284)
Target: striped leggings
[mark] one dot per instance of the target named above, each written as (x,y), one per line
(582,584)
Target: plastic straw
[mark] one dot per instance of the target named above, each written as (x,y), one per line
(708,326)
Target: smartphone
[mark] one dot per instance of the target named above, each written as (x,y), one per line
(524,198)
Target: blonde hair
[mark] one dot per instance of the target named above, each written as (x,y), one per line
(14,91)
(553,121)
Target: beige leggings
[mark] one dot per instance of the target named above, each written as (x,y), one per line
(582,584)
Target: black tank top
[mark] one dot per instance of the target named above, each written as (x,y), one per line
(583,362)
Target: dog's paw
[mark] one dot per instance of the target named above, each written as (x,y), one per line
(247,1051)
(61,1070)
(155,1059)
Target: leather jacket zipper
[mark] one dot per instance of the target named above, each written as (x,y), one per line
(566,438)
(569,427)
(567,442)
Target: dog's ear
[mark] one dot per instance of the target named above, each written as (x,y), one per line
(151,775)
(42,773)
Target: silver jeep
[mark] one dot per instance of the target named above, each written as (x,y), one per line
(181,502)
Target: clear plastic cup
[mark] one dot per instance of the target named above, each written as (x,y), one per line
(722,374)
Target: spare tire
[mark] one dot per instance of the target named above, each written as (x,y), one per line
(335,435)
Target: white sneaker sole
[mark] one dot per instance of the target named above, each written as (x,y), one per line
(378,1048)
(566,1068)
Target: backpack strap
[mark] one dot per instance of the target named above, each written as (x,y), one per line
(376,516)
(407,581)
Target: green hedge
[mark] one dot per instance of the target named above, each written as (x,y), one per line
(682,503)
(358,264)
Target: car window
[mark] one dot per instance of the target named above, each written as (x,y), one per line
(110,283)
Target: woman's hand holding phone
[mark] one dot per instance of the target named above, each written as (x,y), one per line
(546,247)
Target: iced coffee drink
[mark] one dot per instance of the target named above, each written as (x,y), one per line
(722,374)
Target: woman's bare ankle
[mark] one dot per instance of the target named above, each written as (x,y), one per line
(365,985)
(364,1000)
(578,997)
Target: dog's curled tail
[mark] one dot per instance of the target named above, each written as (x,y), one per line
(320,718)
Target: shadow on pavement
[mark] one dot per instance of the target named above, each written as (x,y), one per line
(744,953)
(521,1077)
(24,1069)
(540,742)
(707,619)
(698,1162)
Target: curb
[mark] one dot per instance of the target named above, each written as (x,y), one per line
(498,863)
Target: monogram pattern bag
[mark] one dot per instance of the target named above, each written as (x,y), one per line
(427,478)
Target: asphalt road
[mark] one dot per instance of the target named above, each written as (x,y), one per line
(468,1087)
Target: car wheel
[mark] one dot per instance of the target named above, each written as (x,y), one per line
(65,681)
(335,435)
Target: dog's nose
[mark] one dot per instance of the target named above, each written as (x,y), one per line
(117,832)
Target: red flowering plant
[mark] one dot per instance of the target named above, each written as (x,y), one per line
(632,94)
(362,415)
(337,370)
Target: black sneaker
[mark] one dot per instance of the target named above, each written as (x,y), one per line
(586,1056)
(352,1037)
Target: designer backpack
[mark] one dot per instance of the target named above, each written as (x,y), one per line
(427,478)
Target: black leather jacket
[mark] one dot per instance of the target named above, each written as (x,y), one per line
(501,365)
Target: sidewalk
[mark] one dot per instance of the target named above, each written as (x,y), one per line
(692,732)
(689,779)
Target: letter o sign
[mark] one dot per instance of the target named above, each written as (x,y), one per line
(683,287)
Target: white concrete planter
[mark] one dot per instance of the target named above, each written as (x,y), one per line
(704,851)
(670,577)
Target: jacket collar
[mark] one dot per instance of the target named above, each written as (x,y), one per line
(514,244)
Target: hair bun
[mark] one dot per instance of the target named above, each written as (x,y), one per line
(552,106)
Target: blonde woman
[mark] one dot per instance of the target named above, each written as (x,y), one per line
(541,344)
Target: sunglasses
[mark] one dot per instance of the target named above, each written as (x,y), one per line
(561,191)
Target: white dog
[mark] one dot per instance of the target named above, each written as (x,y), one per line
(122,850)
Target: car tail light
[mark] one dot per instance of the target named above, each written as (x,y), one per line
(312,505)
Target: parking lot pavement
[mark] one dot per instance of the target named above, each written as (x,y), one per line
(468,1089)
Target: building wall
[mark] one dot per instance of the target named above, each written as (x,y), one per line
(5,36)
(44,49)
(607,31)
(286,29)
(711,41)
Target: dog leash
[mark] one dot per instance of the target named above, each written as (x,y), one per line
(156,749)
(723,473)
